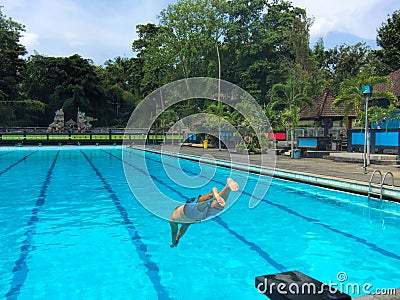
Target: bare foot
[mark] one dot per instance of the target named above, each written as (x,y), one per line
(220,200)
(174,244)
(232,184)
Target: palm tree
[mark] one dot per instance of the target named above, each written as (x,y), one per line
(351,97)
(288,99)
(216,114)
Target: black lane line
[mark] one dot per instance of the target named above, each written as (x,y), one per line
(8,152)
(155,178)
(16,163)
(141,248)
(218,220)
(370,245)
(252,246)
(20,270)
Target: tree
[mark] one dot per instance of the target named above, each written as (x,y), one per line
(154,60)
(168,118)
(266,41)
(342,62)
(389,39)
(123,103)
(65,82)
(121,79)
(216,113)
(19,113)
(351,97)
(185,44)
(11,63)
(289,98)
(195,29)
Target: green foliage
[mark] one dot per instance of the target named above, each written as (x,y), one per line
(69,83)
(7,114)
(195,27)
(265,42)
(343,62)
(155,59)
(168,118)
(218,115)
(351,97)
(287,99)
(26,112)
(121,80)
(389,39)
(257,45)
(11,63)
(240,147)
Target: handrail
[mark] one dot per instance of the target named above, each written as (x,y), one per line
(370,182)
(383,181)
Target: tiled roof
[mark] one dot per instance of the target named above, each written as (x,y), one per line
(395,77)
(323,109)
(395,89)
(323,104)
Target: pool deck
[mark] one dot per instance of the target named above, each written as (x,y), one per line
(341,175)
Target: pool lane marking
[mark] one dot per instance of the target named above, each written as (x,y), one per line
(252,245)
(360,240)
(219,221)
(155,178)
(20,270)
(16,163)
(370,245)
(141,248)
(6,153)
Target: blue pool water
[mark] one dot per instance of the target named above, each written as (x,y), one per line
(70,228)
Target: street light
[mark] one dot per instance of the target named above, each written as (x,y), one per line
(367,92)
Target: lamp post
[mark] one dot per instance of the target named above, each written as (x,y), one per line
(367,92)
(179,132)
(219,93)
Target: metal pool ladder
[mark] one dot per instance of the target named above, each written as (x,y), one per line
(380,184)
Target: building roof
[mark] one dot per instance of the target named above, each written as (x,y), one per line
(395,77)
(323,104)
(322,109)
(395,89)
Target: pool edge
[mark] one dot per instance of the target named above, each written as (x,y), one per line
(348,185)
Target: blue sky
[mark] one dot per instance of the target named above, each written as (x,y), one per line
(105,29)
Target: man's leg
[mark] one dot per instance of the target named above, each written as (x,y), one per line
(221,197)
(181,232)
(203,200)
(174,231)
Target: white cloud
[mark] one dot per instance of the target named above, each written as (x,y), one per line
(30,40)
(104,29)
(360,18)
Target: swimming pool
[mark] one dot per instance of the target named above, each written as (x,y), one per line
(70,228)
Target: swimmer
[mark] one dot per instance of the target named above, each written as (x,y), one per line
(191,212)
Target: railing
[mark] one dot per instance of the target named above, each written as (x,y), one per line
(84,138)
(380,183)
(383,181)
(371,181)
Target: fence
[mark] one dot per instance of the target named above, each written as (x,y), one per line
(85,138)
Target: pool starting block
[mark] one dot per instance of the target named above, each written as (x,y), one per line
(295,285)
